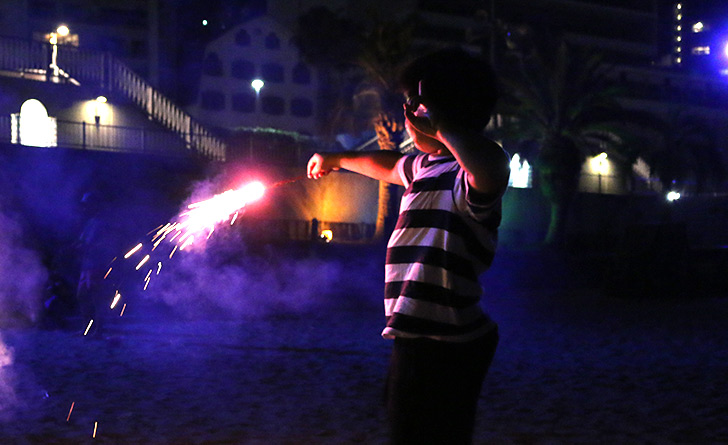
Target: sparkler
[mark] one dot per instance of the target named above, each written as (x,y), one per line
(194,225)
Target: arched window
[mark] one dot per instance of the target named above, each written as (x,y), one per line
(273,72)
(212,65)
(243,102)
(33,127)
(272,41)
(301,74)
(242,38)
(301,107)
(273,105)
(242,69)
(212,100)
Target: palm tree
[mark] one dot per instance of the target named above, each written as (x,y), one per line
(559,101)
(683,148)
(380,53)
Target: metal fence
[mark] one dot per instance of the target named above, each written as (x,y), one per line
(86,136)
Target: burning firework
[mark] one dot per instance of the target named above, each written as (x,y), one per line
(197,222)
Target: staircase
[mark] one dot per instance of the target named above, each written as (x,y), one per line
(33,59)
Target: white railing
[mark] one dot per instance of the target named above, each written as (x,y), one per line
(104,71)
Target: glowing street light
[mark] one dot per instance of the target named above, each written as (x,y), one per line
(257,85)
(673,196)
(63,30)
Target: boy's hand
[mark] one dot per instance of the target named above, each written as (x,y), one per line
(318,166)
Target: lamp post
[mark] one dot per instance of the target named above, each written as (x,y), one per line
(62,31)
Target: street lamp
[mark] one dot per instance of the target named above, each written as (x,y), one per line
(61,31)
(257,85)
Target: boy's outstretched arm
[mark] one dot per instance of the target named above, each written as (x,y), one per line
(378,165)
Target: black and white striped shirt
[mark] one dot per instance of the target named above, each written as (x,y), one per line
(445,238)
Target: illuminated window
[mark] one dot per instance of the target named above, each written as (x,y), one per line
(701,51)
(520,173)
(33,127)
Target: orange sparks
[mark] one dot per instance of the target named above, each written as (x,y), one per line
(123,308)
(96,425)
(133,251)
(235,217)
(107,272)
(70,411)
(90,322)
(159,267)
(117,297)
(141,263)
(172,253)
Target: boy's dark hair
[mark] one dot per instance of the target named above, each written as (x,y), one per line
(459,87)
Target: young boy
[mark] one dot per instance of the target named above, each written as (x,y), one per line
(444,239)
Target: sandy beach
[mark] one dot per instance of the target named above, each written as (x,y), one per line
(574,365)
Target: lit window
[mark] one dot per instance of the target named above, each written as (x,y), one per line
(520,173)
(701,51)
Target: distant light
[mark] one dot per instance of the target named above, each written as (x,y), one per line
(101,99)
(701,51)
(600,164)
(678,38)
(63,30)
(257,85)
(679,6)
(327,235)
(520,173)
(678,28)
(679,17)
(698,27)
(673,196)
(204,22)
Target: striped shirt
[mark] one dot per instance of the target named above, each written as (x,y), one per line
(445,238)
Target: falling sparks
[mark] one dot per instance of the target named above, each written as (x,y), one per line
(117,297)
(96,425)
(133,251)
(141,263)
(90,322)
(123,308)
(70,411)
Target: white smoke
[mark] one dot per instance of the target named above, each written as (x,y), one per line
(22,277)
